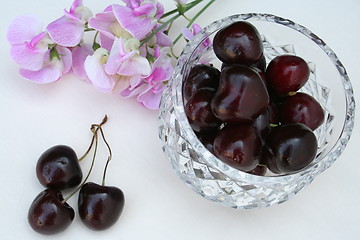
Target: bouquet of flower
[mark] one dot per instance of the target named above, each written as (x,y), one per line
(131,52)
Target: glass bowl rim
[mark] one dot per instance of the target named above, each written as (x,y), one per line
(216,163)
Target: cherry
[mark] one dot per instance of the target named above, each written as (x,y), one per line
(238,43)
(207,139)
(302,108)
(259,170)
(200,76)
(199,113)
(290,147)
(58,168)
(100,206)
(238,146)
(241,97)
(273,113)
(287,73)
(260,66)
(49,214)
(262,123)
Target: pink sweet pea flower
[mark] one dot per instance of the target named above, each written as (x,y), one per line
(29,44)
(95,69)
(149,89)
(125,59)
(68,30)
(109,27)
(53,66)
(189,34)
(138,17)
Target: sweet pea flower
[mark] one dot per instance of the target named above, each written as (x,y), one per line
(57,62)
(138,17)
(68,30)
(94,66)
(190,33)
(29,44)
(149,89)
(109,27)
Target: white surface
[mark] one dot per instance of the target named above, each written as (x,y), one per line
(158,204)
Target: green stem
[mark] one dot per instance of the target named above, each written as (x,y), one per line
(188,6)
(109,157)
(194,19)
(193,4)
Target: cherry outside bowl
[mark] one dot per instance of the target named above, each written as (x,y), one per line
(217,181)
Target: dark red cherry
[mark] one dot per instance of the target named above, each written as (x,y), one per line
(290,148)
(48,214)
(207,139)
(302,108)
(260,65)
(262,123)
(241,97)
(100,206)
(259,170)
(238,146)
(238,43)
(200,76)
(287,73)
(58,168)
(199,112)
(273,109)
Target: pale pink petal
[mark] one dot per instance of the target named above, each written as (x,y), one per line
(162,39)
(28,58)
(76,4)
(94,68)
(112,65)
(187,33)
(23,29)
(106,42)
(150,99)
(79,55)
(136,65)
(102,22)
(66,32)
(147,9)
(66,58)
(134,92)
(49,73)
(160,10)
(139,27)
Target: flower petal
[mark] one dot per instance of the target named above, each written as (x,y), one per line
(79,55)
(23,29)
(139,27)
(49,73)
(94,68)
(102,22)
(66,58)
(28,58)
(106,42)
(136,65)
(66,32)
(149,99)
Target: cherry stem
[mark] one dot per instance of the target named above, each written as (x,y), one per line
(109,157)
(94,129)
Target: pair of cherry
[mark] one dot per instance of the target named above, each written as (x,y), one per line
(58,169)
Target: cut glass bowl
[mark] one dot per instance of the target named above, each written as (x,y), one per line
(217,181)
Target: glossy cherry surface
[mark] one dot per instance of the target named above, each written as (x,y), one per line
(290,147)
(238,43)
(58,168)
(48,214)
(261,64)
(100,206)
(238,146)
(259,170)
(302,108)
(207,139)
(262,123)
(199,112)
(287,73)
(242,95)
(200,76)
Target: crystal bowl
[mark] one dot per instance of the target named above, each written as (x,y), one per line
(219,182)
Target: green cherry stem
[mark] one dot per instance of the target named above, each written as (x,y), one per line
(109,157)
(94,130)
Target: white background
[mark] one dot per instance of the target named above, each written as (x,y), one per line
(158,204)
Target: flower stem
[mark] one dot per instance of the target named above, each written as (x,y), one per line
(189,6)
(194,18)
